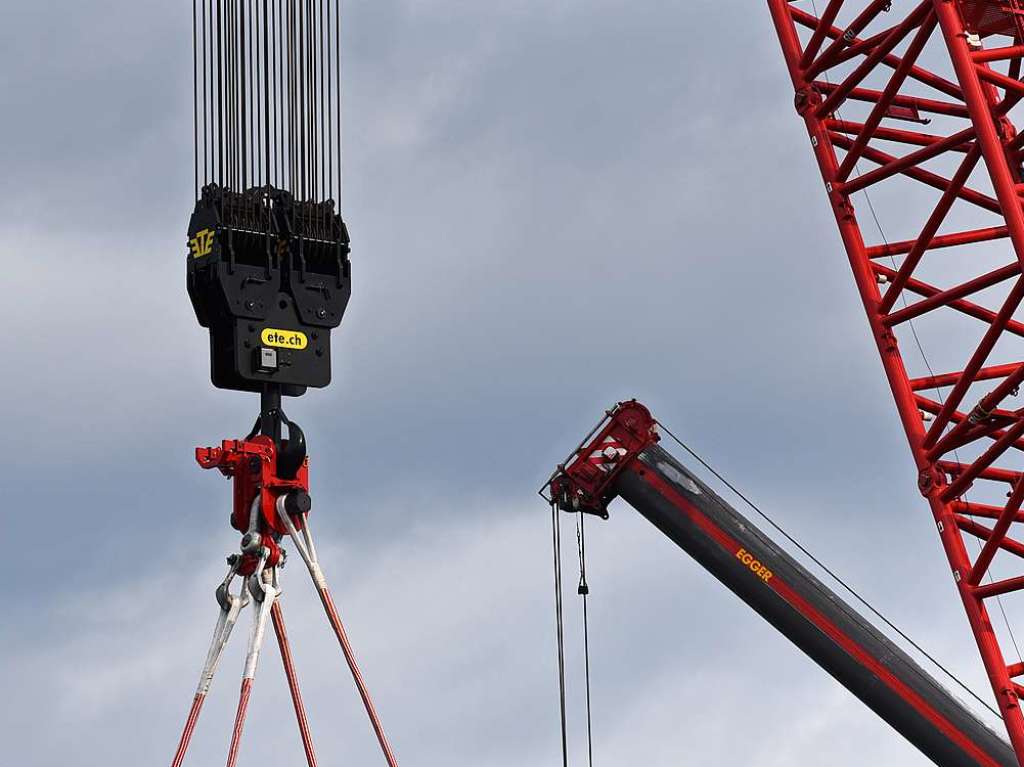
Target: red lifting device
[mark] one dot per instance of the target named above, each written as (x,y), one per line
(271,501)
(859,68)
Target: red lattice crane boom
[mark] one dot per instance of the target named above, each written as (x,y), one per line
(868,75)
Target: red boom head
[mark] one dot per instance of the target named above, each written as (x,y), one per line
(582,483)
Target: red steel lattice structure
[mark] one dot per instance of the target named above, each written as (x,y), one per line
(867,74)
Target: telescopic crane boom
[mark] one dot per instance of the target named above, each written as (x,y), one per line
(622,458)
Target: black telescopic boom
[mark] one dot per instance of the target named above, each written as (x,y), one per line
(809,614)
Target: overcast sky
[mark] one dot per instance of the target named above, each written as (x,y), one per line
(554,204)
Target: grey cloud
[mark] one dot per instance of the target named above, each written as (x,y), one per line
(553,205)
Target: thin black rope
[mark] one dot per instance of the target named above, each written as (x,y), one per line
(254,144)
(268,76)
(320,138)
(556,546)
(266,95)
(584,591)
(195,93)
(337,63)
(330,110)
(831,573)
(220,94)
(206,129)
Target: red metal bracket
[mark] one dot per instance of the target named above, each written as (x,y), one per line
(581,483)
(252,465)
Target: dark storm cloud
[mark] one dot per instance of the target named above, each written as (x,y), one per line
(553,205)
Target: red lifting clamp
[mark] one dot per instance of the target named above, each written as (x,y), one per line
(254,466)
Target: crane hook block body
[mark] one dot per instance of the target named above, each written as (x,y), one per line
(270,277)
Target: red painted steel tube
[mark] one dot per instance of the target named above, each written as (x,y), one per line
(961,305)
(277,616)
(994,398)
(828,16)
(1000,80)
(984,510)
(946,297)
(927,237)
(978,105)
(236,731)
(892,39)
(190,727)
(954,468)
(841,38)
(993,428)
(899,164)
(998,54)
(999,588)
(350,659)
(911,171)
(996,537)
(952,240)
(958,486)
(985,408)
(912,102)
(969,433)
(987,534)
(948,379)
(915,138)
(890,92)
(977,361)
(996,419)
(861,47)
(918,73)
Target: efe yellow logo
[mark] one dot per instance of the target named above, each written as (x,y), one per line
(202,244)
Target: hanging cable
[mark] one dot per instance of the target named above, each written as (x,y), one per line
(271,100)
(584,591)
(831,573)
(556,546)
(195,94)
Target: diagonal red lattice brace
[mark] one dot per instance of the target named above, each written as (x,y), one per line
(867,75)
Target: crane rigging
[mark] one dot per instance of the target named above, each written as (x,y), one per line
(268,274)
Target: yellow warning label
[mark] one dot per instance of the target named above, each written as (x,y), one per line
(202,244)
(755,565)
(284,339)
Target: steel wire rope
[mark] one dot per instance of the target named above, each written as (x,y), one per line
(584,591)
(195,94)
(556,546)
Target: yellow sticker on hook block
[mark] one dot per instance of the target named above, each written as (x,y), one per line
(284,339)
